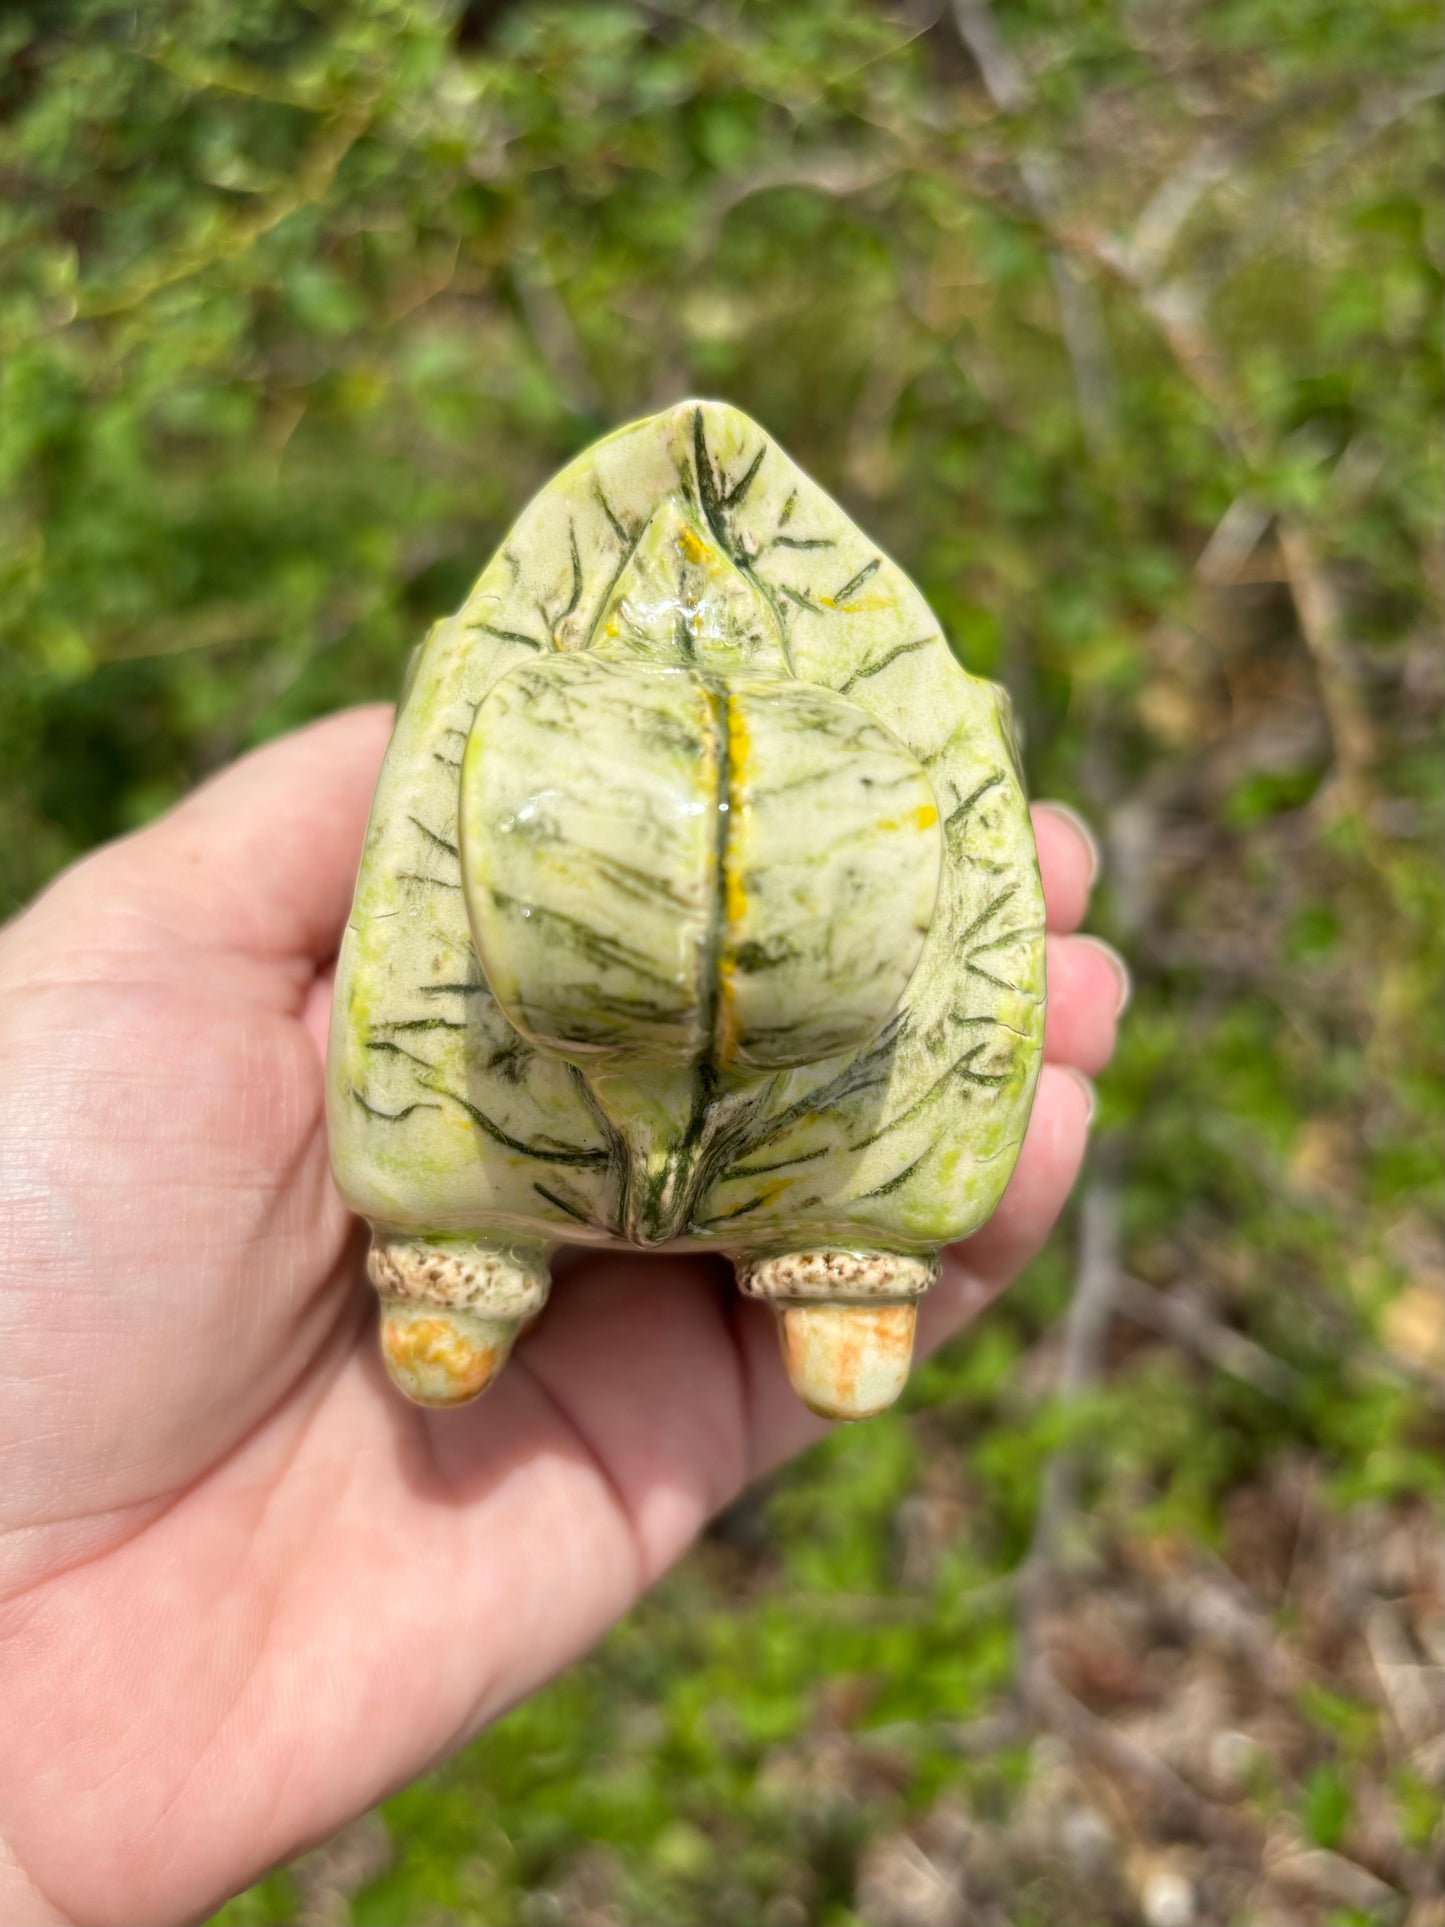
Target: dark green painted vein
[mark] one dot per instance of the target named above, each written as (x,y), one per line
(591,942)
(683,636)
(739,1211)
(857,581)
(782,1164)
(562,1204)
(799,783)
(629,542)
(1009,936)
(576,574)
(986,915)
(431,836)
(617,529)
(651,726)
(388,1049)
(469,988)
(511,1060)
(629,1010)
(392,1117)
(447,762)
(740,488)
(415,876)
(797,597)
(999,983)
(802,542)
(707,488)
(958,1068)
(995,1023)
(864,1073)
(897,1181)
(422,1023)
(754,957)
(568,1154)
(617,1157)
(989,783)
(636,883)
(876,668)
(779,618)
(510,635)
(632,1007)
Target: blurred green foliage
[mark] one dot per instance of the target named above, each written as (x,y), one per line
(1131,357)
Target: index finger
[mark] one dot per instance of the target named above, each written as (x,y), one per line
(262,858)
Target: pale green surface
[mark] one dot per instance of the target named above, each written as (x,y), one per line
(590,845)
(691,540)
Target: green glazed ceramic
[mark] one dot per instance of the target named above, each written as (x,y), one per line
(699,910)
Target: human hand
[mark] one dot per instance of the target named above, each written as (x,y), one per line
(246,1590)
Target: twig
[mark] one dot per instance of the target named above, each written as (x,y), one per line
(1188,1324)
(309,183)
(998,69)
(231,76)
(556,339)
(1180,1804)
(1091,1314)
(1176,307)
(1236,537)
(1080,320)
(1169,207)
(1380,110)
(1210,163)
(1086,1331)
(838,175)
(867,459)
(1321,621)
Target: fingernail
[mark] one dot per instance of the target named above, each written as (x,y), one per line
(1120,969)
(1090,841)
(1086,1085)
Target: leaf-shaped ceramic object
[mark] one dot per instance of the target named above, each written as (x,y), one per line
(699,908)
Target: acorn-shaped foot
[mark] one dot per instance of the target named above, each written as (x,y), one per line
(847,1361)
(440,1357)
(846,1320)
(451,1310)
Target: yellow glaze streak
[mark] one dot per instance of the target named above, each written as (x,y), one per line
(923,818)
(691,544)
(735,899)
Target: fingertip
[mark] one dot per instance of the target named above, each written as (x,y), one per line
(1089,989)
(1069,862)
(1119,971)
(1056,1139)
(1085,1085)
(263,856)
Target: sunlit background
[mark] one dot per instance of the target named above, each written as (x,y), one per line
(1118,323)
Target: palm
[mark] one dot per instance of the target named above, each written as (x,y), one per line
(244,1589)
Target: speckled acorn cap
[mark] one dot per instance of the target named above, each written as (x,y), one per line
(699,909)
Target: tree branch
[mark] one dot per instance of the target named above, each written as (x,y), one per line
(1080,320)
